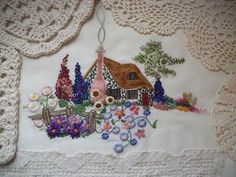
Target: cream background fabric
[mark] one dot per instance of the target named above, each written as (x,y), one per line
(176,131)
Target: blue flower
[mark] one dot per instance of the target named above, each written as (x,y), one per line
(146,112)
(107,115)
(129,119)
(116,129)
(142,123)
(124,136)
(127,104)
(132,125)
(133,142)
(105,136)
(118,148)
(113,107)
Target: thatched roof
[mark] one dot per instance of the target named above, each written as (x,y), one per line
(120,74)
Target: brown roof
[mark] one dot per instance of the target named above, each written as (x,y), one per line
(120,73)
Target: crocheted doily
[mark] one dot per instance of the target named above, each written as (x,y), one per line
(41,27)
(210,28)
(10,65)
(225,116)
(190,163)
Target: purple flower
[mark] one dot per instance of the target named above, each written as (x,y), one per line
(118,148)
(113,107)
(142,123)
(59,120)
(84,129)
(74,119)
(53,130)
(67,128)
(75,131)
(131,125)
(129,119)
(124,136)
(107,115)
(116,129)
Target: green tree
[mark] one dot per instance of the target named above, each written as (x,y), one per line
(156,61)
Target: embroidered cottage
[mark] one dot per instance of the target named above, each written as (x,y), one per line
(123,81)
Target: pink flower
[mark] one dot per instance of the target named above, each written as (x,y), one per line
(120,113)
(140,133)
(106,126)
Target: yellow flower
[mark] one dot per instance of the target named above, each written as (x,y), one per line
(33,96)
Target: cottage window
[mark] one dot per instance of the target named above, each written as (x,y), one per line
(132,76)
(132,94)
(115,93)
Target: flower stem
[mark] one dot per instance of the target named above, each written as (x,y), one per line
(146,120)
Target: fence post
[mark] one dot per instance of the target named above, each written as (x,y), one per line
(46,116)
(69,110)
(92,121)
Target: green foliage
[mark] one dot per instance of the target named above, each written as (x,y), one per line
(154,125)
(155,61)
(80,108)
(113,122)
(63,103)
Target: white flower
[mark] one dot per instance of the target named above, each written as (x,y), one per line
(34,107)
(46,91)
(52,103)
(38,123)
(98,106)
(33,96)
(110,100)
(95,93)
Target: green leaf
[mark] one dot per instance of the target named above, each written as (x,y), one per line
(154,125)
(63,103)
(79,109)
(99,122)
(113,122)
(104,110)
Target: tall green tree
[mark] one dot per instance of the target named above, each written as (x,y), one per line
(156,62)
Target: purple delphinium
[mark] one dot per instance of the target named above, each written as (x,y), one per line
(53,130)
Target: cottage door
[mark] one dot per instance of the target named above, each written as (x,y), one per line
(145,99)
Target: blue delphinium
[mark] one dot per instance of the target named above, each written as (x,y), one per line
(80,87)
(158,92)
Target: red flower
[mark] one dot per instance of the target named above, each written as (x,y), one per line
(134,109)
(140,133)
